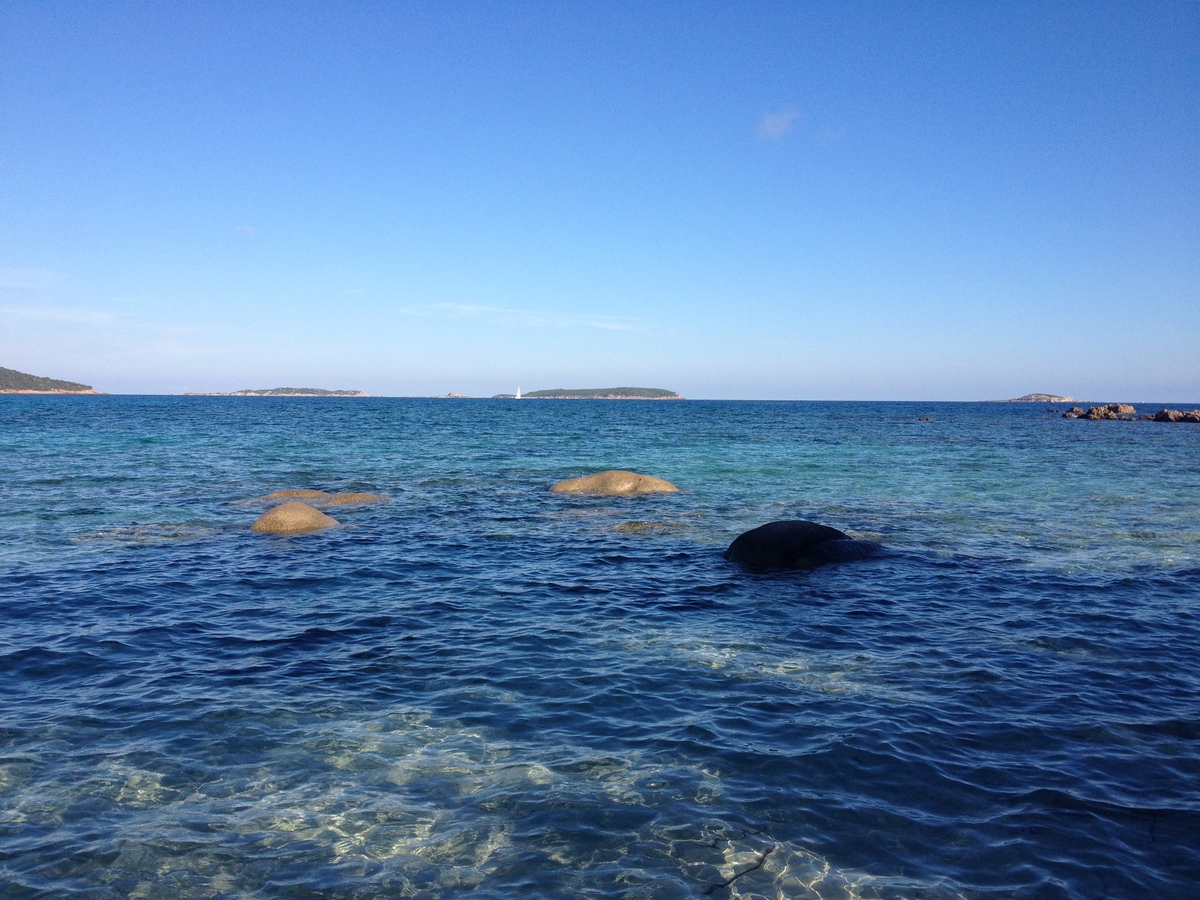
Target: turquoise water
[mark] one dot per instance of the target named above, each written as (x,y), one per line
(482,687)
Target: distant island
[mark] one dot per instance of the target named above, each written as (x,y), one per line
(1041,398)
(283,392)
(14,382)
(616,393)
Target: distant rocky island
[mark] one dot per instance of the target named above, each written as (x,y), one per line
(616,393)
(1042,398)
(14,382)
(283,392)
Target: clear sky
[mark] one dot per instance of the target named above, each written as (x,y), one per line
(749,200)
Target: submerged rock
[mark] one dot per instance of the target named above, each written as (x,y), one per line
(796,544)
(615,482)
(351,499)
(321,498)
(292,494)
(292,517)
(641,526)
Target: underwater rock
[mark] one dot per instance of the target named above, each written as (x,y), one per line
(796,544)
(321,498)
(292,517)
(350,499)
(615,482)
(301,494)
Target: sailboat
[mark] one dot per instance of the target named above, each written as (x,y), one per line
(518,392)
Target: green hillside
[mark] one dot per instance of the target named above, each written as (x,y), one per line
(12,380)
(615,393)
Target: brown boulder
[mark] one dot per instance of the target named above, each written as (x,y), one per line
(292,517)
(1073,413)
(1110,411)
(614,482)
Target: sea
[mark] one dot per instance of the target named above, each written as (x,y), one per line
(485,688)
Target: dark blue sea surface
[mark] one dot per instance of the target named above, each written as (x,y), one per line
(484,687)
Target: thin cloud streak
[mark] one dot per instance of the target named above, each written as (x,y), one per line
(29,279)
(62,315)
(778,124)
(525,317)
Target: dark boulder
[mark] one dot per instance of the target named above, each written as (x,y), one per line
(1176,415)
(796,544)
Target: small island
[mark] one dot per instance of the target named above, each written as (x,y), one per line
(1042,398)
(283,392)
(615,393)
(14,382)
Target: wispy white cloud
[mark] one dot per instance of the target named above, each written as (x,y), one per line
(778,124)
(248,231)
(524,317)
(61,315)
(29,279)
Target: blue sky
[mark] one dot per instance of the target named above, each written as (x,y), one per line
(758,200)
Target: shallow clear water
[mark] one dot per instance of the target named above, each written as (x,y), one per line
(484,687)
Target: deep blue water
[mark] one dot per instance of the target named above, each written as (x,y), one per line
(483,687)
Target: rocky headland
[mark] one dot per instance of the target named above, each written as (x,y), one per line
(14,382)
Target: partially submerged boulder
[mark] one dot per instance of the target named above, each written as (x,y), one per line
(293,517)
(796,544)
(615,482)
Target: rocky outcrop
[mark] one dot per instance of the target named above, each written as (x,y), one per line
(293,517)
(796,544)
(1109,411)
(614,482)
(1175,415)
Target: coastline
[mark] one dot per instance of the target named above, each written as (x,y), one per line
(28,391)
